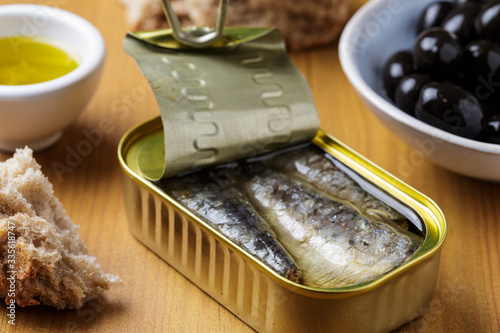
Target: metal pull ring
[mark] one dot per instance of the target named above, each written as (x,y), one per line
(197,37)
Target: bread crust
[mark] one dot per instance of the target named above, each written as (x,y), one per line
(51,264)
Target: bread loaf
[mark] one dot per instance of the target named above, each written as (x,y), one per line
(304,24)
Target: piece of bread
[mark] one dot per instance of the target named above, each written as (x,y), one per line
(304,24)
(50,264)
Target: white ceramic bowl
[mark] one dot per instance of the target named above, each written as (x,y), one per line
(374,33)
(36,114)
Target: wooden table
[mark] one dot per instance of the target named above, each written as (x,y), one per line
(153,297)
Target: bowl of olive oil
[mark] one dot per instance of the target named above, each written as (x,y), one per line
(29,61)
(50,65)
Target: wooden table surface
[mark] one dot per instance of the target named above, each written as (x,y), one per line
(153,297)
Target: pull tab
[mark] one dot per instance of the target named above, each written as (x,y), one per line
(196,37)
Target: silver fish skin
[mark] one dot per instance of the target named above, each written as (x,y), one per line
(214,197)
(332,243)
(312,166)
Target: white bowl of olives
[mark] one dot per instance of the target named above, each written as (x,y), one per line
(430,71)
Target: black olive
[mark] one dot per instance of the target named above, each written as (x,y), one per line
(492,129)
(461,2)
(450,108)
(460,21)
(481,68)
(445,84)
(438,53)
(491,108)
(487,24)
(408,90)
(434,14)
(398,66)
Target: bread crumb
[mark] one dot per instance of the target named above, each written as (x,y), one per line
(40,248)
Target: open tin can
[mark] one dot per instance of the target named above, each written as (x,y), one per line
(259,296)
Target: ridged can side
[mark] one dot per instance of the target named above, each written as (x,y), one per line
(251,294)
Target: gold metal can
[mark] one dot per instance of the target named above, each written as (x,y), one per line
(255,293)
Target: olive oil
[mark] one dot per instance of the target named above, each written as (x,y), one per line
(28,61)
